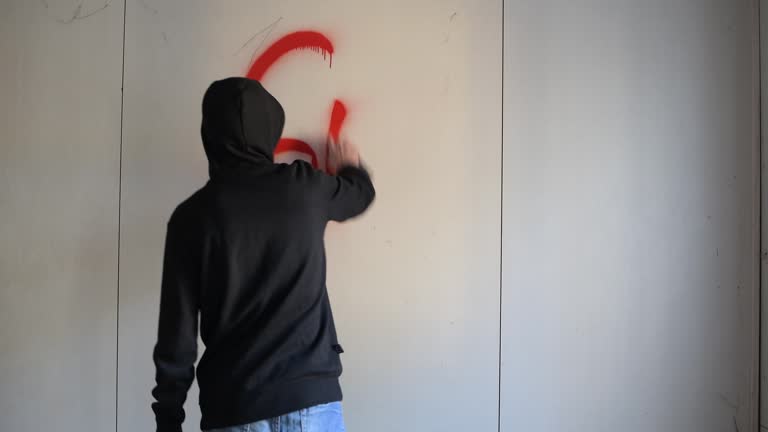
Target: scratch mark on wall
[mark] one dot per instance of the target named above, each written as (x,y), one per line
(268,29)
(106,5)
(447,36)
(75,14)
(266,36)
(78,13)
(165,36)
(735,424)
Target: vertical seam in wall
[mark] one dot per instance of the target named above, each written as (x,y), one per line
(760,215)
(501,220)
(757,82)
(119,221)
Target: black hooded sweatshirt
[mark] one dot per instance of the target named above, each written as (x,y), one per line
(246,255)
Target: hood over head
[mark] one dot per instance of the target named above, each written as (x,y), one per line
(242,123)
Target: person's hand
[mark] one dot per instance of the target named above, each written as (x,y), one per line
(342,153)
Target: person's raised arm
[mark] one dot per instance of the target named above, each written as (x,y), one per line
(349,188)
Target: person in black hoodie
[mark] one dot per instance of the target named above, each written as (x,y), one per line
(245,254)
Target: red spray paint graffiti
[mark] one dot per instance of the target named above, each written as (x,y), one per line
(300,40)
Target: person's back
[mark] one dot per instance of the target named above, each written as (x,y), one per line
(247,253)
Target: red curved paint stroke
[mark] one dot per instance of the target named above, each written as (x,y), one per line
(293,145)
(300,40)
(338,114)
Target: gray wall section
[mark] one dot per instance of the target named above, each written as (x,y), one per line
(630,216)
(59,164)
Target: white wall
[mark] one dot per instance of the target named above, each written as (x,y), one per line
(630,171)
(630,216)
(415,282)
(59,171)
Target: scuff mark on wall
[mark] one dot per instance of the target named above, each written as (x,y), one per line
(447,35)
(268,29)
(734,406)
(79,13)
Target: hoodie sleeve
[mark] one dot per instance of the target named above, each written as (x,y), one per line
(176,349)
(349,193)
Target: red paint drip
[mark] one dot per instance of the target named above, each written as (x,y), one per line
(300,40)
(293,145)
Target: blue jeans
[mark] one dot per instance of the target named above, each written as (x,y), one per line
(320,418)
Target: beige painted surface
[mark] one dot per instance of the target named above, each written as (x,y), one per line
(630,216)
(415,282)
(59,162)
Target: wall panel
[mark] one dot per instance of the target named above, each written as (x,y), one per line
(415,282)
(59,170)
(630,254)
